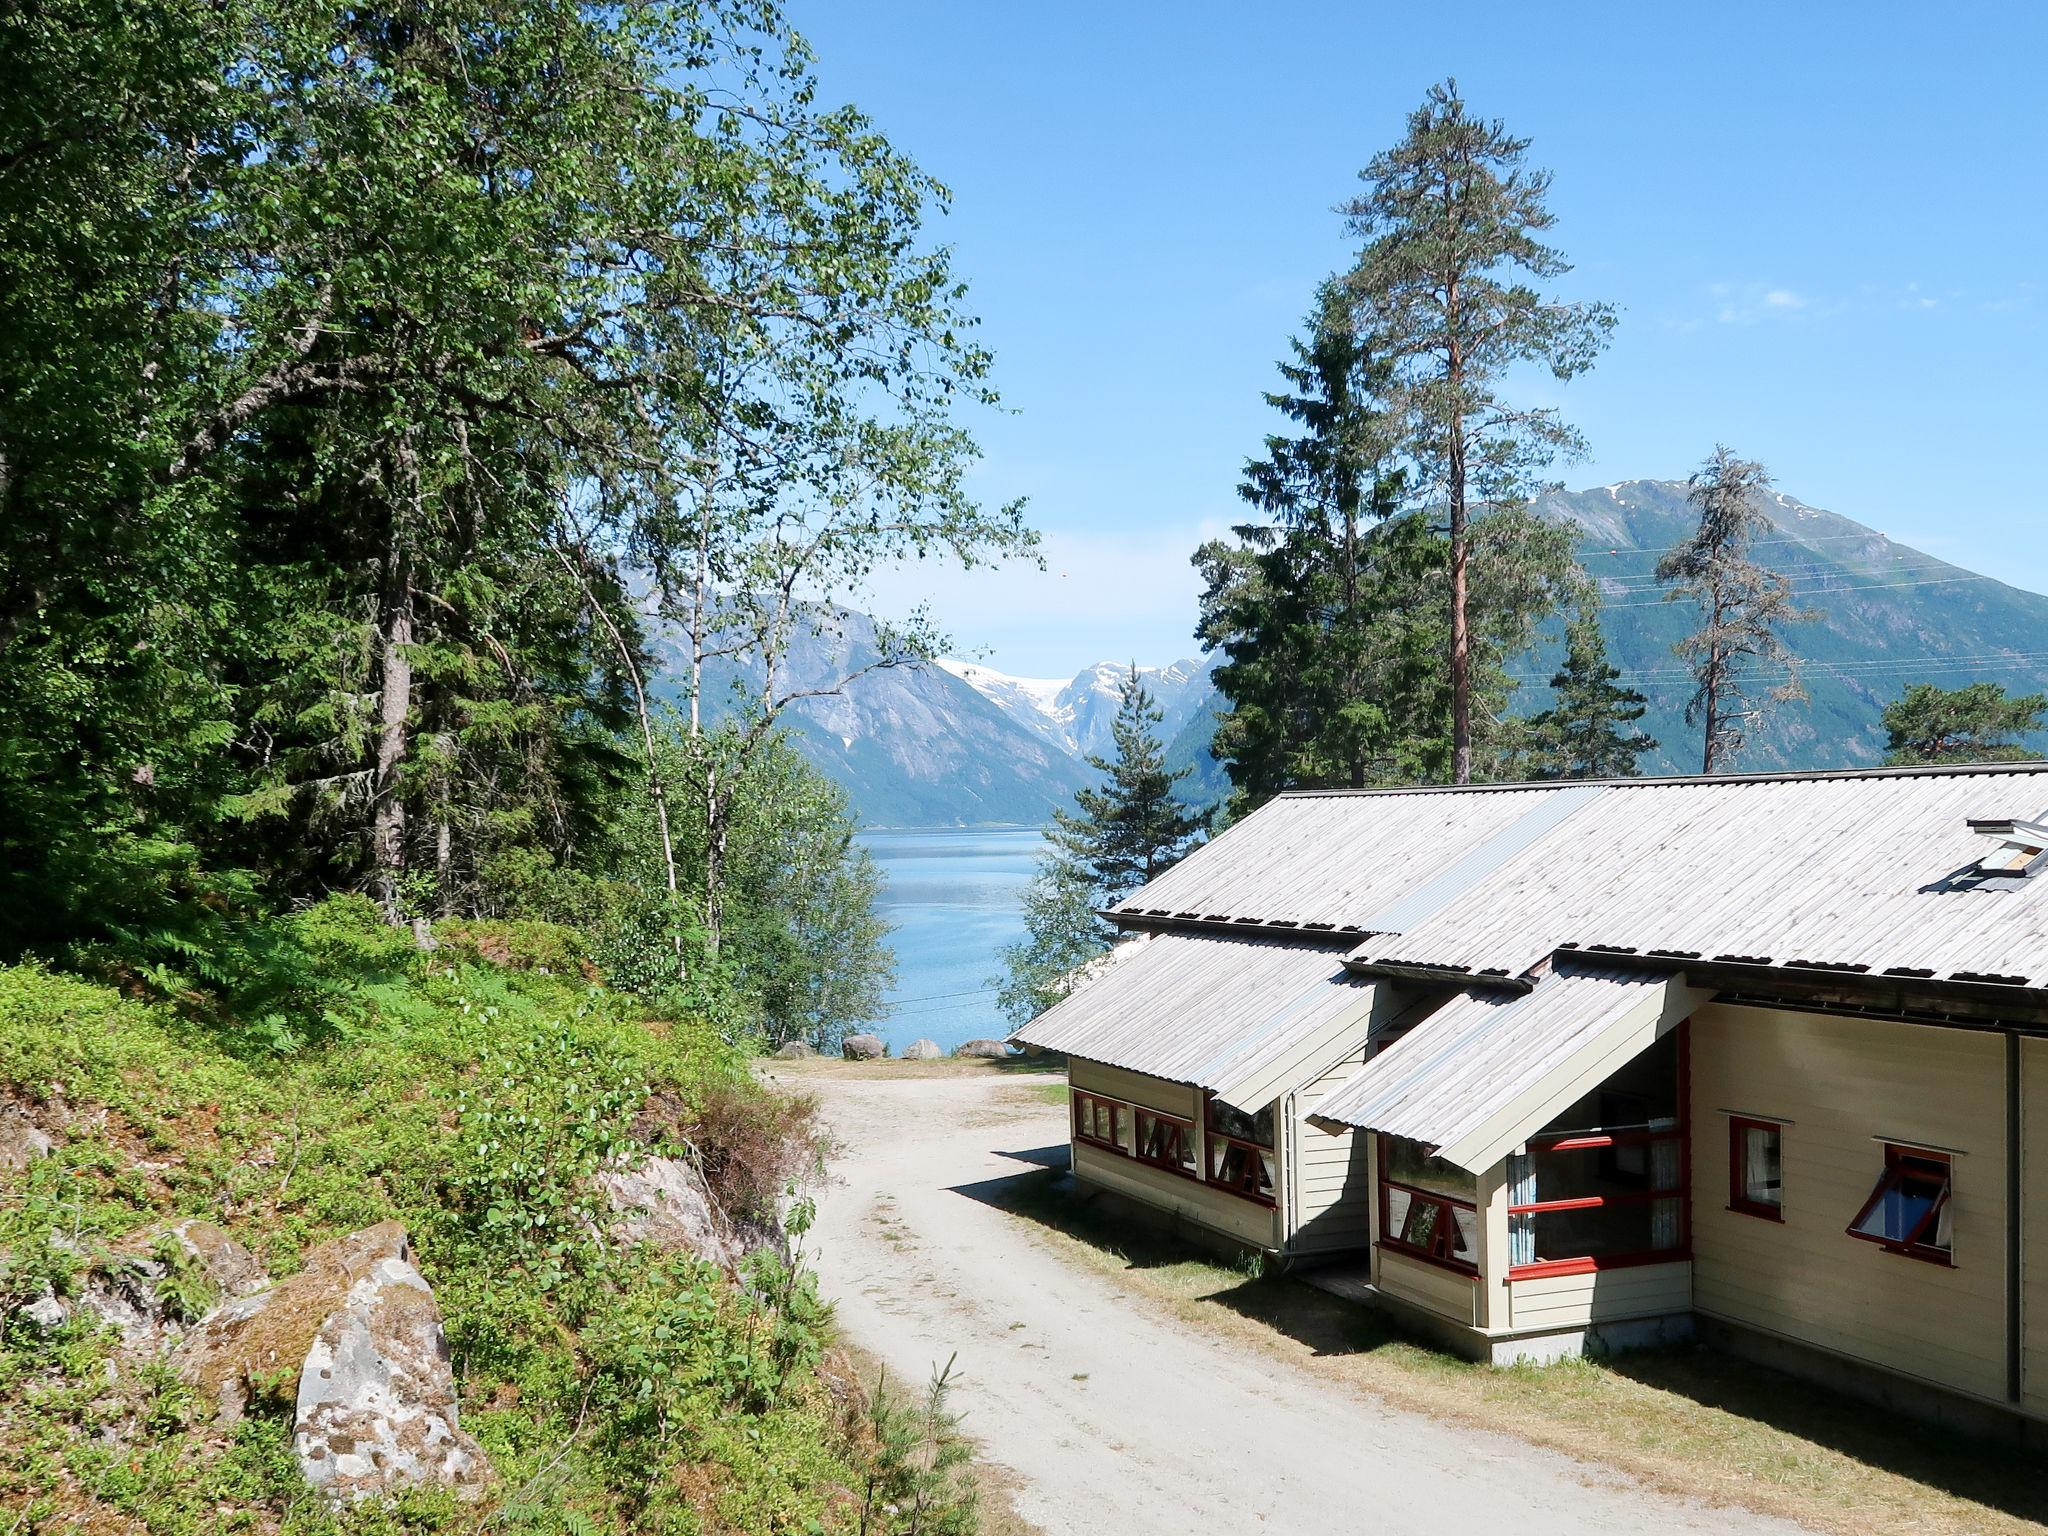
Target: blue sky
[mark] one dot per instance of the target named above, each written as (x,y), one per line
(1823,223)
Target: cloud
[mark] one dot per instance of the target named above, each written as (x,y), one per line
(1783,298)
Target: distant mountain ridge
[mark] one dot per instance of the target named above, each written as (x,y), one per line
(956,743)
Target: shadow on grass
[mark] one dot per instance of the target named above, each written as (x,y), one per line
(2009,1479)
(2000,1476)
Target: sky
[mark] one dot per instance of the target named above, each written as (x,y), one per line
(1823,225)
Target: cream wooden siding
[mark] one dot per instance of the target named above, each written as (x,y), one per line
(1841,1082)
(1333,1187)
(1605,1296)
(2034,1232)
(1438,1290)
(1232,1215)
(1136,1088)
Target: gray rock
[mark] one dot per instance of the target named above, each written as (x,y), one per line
(46,1314)
(21,1140)
(376,1408)
(922,1050)
(126,1292)
(664,1201)
(983,1050)
(797,1050)
(863,1048)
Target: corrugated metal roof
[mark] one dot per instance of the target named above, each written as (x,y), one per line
(1211,1010)
(1852,871)
(1488,1069)
(1335,861)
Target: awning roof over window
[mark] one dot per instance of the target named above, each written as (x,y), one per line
(1245,1018)
(1487,1070)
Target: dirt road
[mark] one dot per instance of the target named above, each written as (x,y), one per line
(1113,1415)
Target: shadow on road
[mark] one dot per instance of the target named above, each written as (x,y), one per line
(1728,1405)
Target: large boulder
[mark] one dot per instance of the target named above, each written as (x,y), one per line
(983,1050)
(796,1050)
(863,1048)
(922,1050)
(376,1408)
(665,1201)
(354,1342)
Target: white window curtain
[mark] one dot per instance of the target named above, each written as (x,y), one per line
(1521,1191)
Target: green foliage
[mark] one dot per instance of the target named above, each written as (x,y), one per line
(1062,935)
(1450,223)
(615,1388)
(918,1484)
(1588,731)
(1134,828)
(1129,831)
(1972,724)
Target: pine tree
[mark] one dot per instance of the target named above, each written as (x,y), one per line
(1587,732)
(1742,607)
(1450,220)
(1971,724)
(1134,827)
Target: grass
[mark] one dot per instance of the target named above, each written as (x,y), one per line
(1686,1422)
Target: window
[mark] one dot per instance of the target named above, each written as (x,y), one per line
(1105,1122)
(1241,1151)
(1603,1185)
(1167,1142)
(1755,1185)
(1427,1206)
(1908,1211)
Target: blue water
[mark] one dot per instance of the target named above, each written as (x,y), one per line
(953,899)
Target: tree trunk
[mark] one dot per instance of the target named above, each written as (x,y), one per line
(1461,640)
(394,709)
(715,808)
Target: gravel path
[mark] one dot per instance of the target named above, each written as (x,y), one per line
(1112,1415)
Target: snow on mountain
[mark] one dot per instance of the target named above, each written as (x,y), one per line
(1077,715)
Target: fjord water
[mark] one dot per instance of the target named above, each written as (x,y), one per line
(953,898)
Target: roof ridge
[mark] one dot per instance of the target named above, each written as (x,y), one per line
(2024,767)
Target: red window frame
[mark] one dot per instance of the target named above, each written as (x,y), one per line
(1442,1234)
(1181,1155)
(1681,1133)
(1083,1097)
(1738,1186)
(1895,1173)
(1252,1168)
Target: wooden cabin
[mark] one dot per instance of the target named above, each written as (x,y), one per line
(1762,1059)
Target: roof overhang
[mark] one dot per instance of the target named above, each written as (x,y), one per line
(1244,1017)
(1490,1068)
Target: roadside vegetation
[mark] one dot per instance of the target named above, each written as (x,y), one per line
(1686,1422)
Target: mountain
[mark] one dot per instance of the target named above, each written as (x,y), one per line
(959,744)
(1887,615)
(1077,715)
(912,746)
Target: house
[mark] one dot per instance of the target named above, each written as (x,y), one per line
(1762,1058)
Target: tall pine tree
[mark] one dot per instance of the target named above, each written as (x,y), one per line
(1450,220)
(1977,723)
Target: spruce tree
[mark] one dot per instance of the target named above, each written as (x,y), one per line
(1587,733)
(1450,221)
(1742,606)
(1134,827)
(1972,724)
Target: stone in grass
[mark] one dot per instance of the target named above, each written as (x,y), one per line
(863,1048)
(129,1292)
(665,1201)
(21,1140)
(983,1050)
(922,1050)
(796,1050)
(354,1341)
